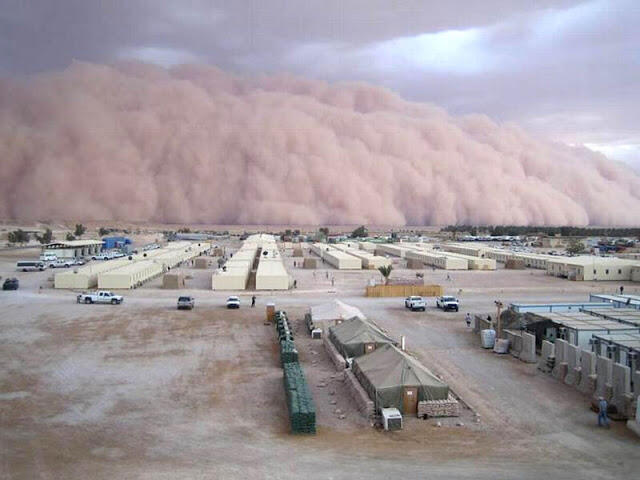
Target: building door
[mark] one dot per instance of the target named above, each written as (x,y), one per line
(410,400)
(369,347)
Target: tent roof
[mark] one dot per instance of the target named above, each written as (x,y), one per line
(356,330)
(335,310)
(389,367)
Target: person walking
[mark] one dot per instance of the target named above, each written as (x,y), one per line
(253,301)
(621,289)
(333,281)
(467,319)
(603,419)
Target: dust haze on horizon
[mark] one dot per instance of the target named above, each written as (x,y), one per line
(193,144)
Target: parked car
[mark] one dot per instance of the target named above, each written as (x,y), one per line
(101,256)
(415,303)
(62,263)
(116,254)
(101,296)
(80,261)
(48,257)
(233,302)
(10,284)
(448,303)
(186,303)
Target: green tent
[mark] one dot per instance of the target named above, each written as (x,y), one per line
(387,372)
(355,337)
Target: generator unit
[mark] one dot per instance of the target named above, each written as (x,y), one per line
(391,419)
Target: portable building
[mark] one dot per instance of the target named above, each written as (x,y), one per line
(627,301)
(73,248)
(129,276)
(367,246)
(465,249)
(392,249)
(438,260)
(587,268)
(173,281)
(475,263)
(369,260)
(355,337)
(394,379)
(87,276)
(630,316)
(576,328)
(553,307)
(623,348)
(115,242)
(271,274)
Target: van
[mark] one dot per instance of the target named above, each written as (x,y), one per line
(29,265)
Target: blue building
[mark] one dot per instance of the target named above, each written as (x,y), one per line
(115,242)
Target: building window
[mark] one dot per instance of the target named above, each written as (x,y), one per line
(594,271)
(619,271)
(607,271)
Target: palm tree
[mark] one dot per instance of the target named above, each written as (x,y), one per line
(386,271)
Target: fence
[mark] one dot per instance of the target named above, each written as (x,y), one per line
(404,290)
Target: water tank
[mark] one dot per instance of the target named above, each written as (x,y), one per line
(488,338)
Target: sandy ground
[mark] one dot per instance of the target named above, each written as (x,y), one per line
(141,390)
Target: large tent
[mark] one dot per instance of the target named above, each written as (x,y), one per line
(355,337)
(392,378)
(334,312)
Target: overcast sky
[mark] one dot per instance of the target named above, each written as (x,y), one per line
(568,70)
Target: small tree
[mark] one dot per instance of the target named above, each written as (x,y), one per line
(103,231)
(46,237)
(80,229)
(360,232)
(18,236)
(575,247)
(70,237)
(386,272)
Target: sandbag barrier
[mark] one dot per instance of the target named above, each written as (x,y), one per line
(302,409)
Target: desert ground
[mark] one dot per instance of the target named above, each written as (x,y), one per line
(141,390)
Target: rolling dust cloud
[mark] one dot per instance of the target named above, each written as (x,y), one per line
(193,144)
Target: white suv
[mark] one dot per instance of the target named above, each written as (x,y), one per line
(415,303)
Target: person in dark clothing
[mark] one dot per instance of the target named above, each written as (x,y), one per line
(253,301)
(603,419)
(621,289)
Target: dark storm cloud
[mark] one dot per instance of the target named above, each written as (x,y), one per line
(568,70)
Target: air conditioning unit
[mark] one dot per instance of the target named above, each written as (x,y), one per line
(391,419)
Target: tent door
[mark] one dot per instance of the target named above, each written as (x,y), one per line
(369,347)
(410,400)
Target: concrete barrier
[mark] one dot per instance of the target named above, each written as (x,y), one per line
(560,368)
(480,324)
(636,385)
(634,424)
(363,403)
(336,358)
(528,353)
(587,382)
(621,397)
(573,362)
(548,351)
(515,342)
(604,369)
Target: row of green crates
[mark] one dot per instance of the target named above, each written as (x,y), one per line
(302,410)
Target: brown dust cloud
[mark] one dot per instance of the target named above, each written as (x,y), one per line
(193,144)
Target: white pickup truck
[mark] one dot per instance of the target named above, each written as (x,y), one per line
(100,297)
(415,303)
(448,303)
